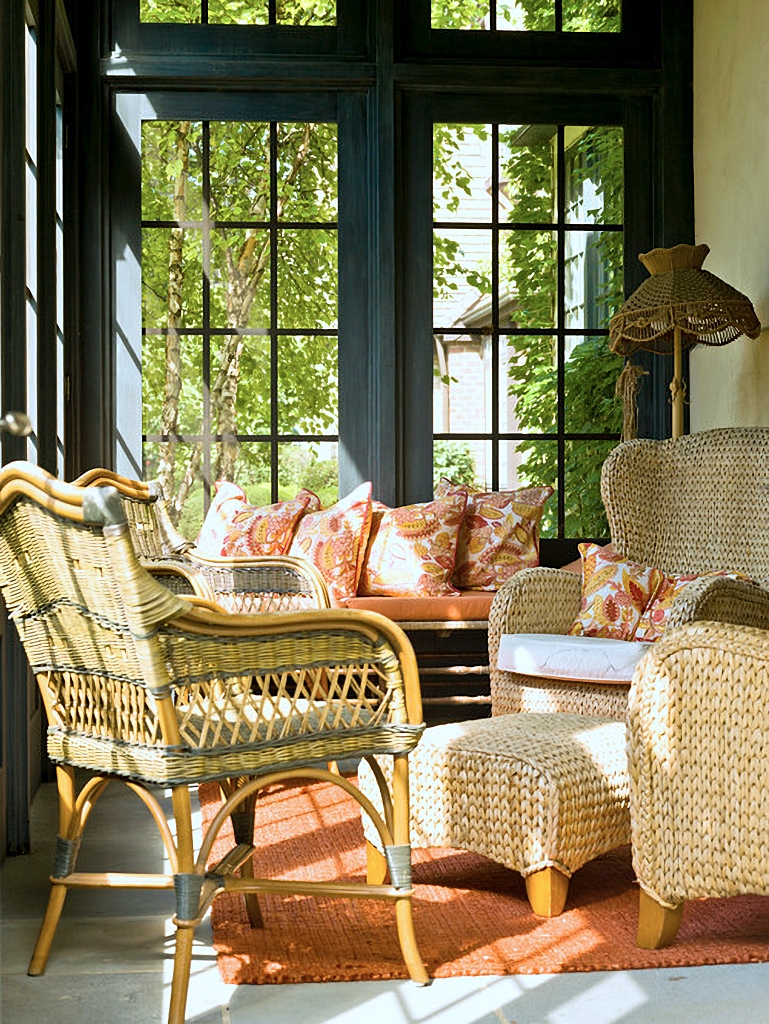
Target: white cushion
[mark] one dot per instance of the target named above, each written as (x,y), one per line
(554,656)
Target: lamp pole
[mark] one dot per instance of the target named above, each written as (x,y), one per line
(677,386)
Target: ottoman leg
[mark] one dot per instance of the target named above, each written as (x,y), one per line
(376,865)
(547,890)
(657,925)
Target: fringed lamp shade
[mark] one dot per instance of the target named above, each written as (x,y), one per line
(680,305)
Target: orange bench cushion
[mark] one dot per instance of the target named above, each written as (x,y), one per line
(466,606)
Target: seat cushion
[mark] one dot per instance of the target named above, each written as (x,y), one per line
(585,658)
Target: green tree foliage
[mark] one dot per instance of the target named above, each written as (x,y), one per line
(240,12)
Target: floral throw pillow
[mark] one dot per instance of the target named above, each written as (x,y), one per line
(655,616)
(335,539)
(228,500)
(413,549)
(263,531)
(499,534)
(614,594)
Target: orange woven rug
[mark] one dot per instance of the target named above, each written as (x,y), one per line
(471,915)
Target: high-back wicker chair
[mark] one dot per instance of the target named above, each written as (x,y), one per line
(141,686)
(684,505)
(268,583)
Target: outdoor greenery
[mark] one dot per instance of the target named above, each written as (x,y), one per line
(240,12)
(528,15)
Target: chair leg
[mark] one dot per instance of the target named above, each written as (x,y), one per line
(376,865)
(547,890)
(181,978)
(404,920)
(42,948)
(657,925)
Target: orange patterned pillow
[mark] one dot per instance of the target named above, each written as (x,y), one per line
(614,594)
(499,534)
(413,549)
(654,618)
(235,527)
(335,539)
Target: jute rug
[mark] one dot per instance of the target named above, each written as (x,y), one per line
(471,915)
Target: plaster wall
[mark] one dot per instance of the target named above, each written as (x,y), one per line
(730,385)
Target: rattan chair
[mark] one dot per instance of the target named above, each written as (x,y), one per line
(142,686)
(268,583)
(685,505)
(698,721)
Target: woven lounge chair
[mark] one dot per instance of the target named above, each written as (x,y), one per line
(687,505)
(698,721)
(144,687)
(267,583)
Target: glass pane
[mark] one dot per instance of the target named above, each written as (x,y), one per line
(180,11)
(179,467)
(240,384)
(462,384)
(523,15)
(172,187)
(171,278)
(305,12)
(308,385)
(311,465)
(461,14)
(160,351)
(532,464)
(252,471)
(461,276)
(461,172)
(240,278)
(527,276)
(238,12)
(591,372)
(584,512)
(307,172)
(462,462)
(594,171)
(528,399)
(240,171)
(593,278)
(307,279)
(527,173)
(592,15)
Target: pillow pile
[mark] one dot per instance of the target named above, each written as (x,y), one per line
(498,536)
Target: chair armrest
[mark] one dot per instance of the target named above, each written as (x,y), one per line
(719,599)
(538,600)
(266,583)
(181,578)
(698,715)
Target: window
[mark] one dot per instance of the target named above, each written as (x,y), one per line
(239,272)
(240,12)
(527,271)
(529,15)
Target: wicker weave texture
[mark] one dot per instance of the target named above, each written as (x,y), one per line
(698,721)
(528,791)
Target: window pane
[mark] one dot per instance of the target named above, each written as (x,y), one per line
(461,172)
(591,371)
(592,15)
(181,11)
(584,512)
(240,278)
(158,352)
(181,468)
(592,278)
(308,385)
(465,14)
(238,12)
(461,276)
(240,369)
(252,471)
(307,279)
(171,172)
(528,385)
(311,465)
(462,384)
(307,172)
(527,157)
(171,277)
(528,273)
(240,171)
(462,462)
(532,464)
(594,165)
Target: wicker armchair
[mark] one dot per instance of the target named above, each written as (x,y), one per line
(689,504)
(278,583)
(698,719)
(143,687)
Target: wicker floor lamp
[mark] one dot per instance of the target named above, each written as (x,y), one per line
(680,305)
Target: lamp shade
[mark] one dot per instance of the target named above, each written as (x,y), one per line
(679,297)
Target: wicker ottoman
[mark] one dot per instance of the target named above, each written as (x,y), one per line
(540,793)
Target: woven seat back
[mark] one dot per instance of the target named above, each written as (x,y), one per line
(693,503)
